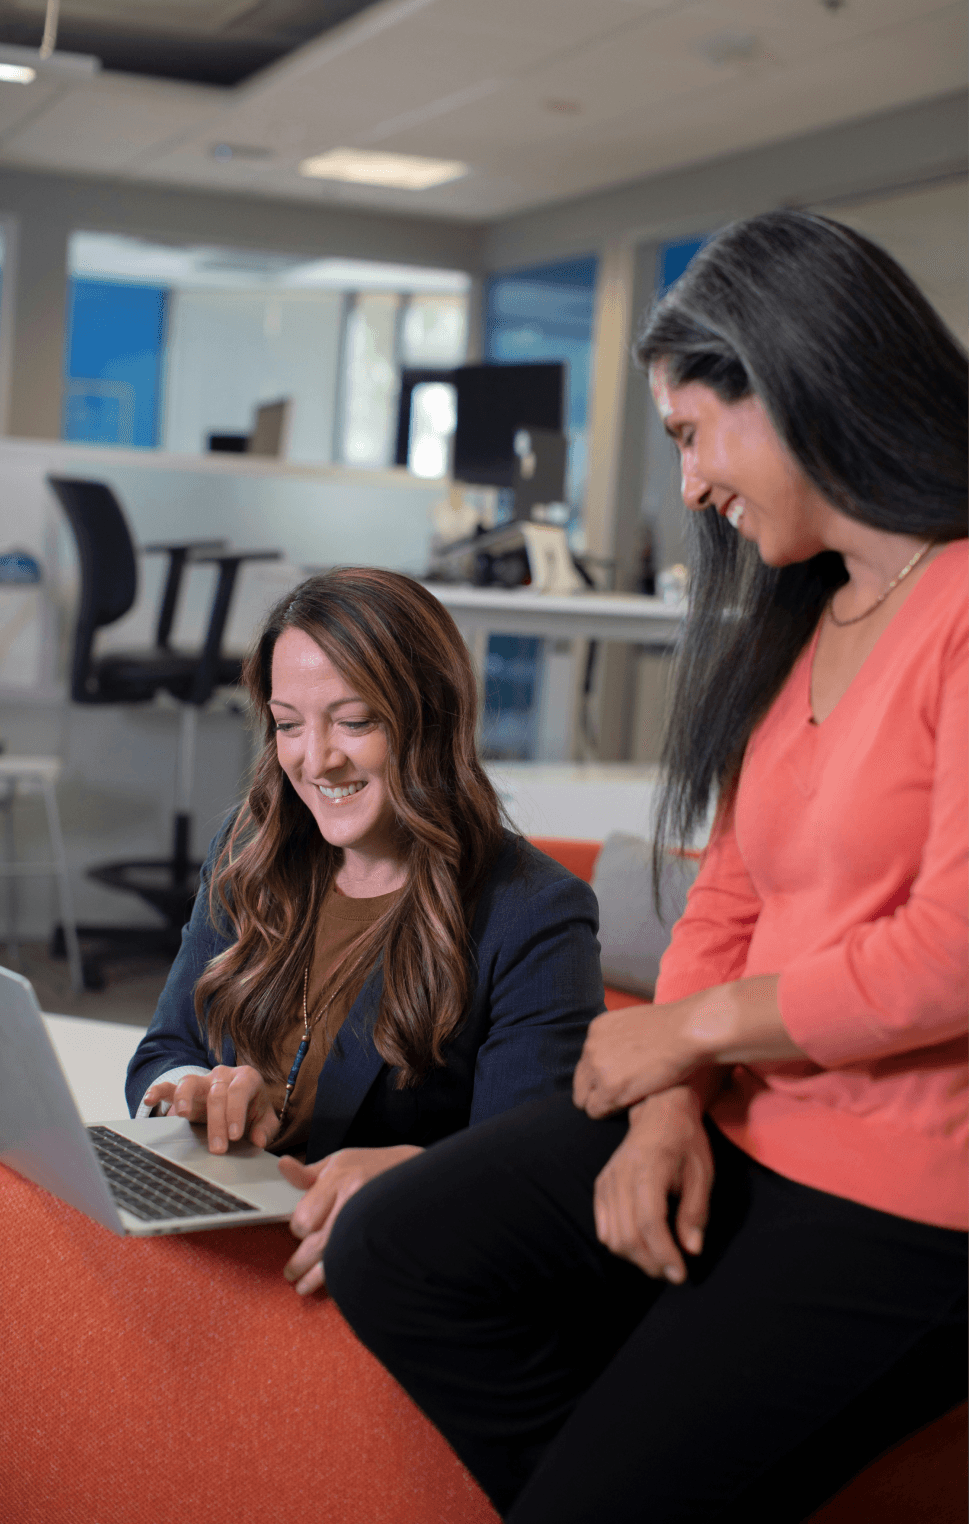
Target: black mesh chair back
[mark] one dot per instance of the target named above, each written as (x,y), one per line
(135,675)
(109,578)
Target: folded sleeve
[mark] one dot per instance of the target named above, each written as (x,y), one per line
(899,983)
(710,941)
(545,986)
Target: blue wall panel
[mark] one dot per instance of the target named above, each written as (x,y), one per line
(674,258)
(116,339)
(535,315)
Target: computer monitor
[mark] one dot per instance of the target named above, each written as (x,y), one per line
(494,402)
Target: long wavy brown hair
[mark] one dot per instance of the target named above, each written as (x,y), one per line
(401,651)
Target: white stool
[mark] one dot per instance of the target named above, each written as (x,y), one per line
(30,775)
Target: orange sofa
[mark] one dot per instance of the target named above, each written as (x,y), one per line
(151,1376)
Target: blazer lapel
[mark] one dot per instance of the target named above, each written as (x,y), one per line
(351,1067)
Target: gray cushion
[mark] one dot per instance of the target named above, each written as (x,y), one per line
(632,935)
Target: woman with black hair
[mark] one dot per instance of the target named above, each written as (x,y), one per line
(734,1270)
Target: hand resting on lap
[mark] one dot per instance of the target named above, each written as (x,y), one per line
(328,1184)
(664,1154)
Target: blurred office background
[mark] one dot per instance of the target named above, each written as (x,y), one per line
(176,256)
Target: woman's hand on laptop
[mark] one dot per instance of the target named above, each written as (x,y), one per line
(328,1184)
(233,1103)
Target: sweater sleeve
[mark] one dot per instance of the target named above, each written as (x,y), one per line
(710,940)
(899,983)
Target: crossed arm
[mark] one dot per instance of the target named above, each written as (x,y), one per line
(664,1063)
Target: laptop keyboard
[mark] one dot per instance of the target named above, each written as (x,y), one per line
(152,1188)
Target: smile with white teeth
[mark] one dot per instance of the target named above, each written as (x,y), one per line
(734,513)
(341,792)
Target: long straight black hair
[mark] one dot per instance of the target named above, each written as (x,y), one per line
(867,388)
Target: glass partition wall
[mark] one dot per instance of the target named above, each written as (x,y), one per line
(168,346)
(541,313)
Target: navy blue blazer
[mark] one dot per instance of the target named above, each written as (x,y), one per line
(535,986)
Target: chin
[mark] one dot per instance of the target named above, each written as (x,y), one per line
(780,555)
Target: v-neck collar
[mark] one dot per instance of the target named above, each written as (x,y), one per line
(876,657)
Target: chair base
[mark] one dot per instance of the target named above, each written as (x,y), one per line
(168,885)
(114,944)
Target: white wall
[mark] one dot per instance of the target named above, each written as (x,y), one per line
(927,230)
(227,351)
(117,787)
(315,516)
(41,211)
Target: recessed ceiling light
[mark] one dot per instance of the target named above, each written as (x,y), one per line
(363,166)
(17,74)
(22,66)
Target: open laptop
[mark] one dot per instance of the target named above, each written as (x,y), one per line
(141,1178)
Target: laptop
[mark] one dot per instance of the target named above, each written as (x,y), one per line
(140,1178)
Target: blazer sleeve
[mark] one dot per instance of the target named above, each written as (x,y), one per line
(173,1040)
(544,987)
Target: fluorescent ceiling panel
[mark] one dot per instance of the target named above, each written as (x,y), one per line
(364,166)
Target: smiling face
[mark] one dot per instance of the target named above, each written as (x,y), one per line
(333,750)
(732,458)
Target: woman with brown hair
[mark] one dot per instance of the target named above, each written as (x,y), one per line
(373,962)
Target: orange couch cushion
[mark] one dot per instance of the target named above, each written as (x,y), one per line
(578,856)
(142,1375)
(184,1369)
(182,1374)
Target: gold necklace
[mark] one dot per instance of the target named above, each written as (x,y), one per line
(309,1027)
(303,1048)
(843,623)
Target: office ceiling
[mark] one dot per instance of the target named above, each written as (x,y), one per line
(212,42)
(543,99)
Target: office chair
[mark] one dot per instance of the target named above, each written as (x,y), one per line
(108,589)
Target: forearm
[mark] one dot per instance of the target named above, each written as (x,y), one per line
(736,1023)
(641,1050)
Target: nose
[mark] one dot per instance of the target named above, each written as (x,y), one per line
(694,487)
(323,754)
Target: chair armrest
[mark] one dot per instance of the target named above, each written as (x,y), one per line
(186,545)
(177,554)
(228,563)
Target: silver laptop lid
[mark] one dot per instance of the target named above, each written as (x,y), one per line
(41,1133)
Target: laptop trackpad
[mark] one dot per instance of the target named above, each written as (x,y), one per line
(246,1170)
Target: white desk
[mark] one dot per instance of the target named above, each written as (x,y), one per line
(557,617)
(94,1055)
(632,617)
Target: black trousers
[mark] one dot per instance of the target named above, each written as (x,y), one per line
(812,1333)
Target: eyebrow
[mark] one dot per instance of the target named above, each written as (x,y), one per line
(337,703)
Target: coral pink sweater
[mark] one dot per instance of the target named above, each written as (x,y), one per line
(844,870)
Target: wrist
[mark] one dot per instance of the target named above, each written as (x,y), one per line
(679,1098)
(710,1024)
(739,1023)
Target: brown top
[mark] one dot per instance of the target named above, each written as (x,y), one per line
(342,922)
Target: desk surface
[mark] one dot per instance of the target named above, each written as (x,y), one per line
(584,615)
